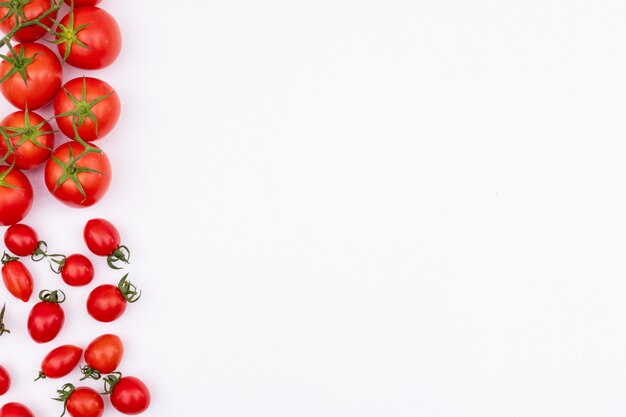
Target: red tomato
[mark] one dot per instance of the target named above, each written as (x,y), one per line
(91,103)
(81,3)
(60,362)
(129,395)
(76,178)
(21,239)
(31,10)
(17,278)
(82,401)
(32,77)
(16,196)
(31,138)
(107,303)
(103,239)
(89,38)
(103,356)
(46,318)
(15,410)
(5,380)
(77,270)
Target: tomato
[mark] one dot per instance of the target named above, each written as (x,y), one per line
(31,9)
(103,356)
(21,239)
(60,362)
(32,77)
(77,270)
(82,401)
(103,239)
(15,410)
(76,178)
(5,380)
(89,38)
(91,103)
(17,278)
(129,395)
(81,3)
(46,318)
(31,139)
(16,196)
(107,303)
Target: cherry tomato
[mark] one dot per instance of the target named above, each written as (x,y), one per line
(91,103)
(32,77)
(75,178)
(60,362)
(5,380)
(31,138)
(129,395)
(16,196)
(107,303)
(46,318)
(103,356)
(89,38)
(31,9)
(77,270)
(82,401)
(81,3)
(21,239)
(15,410)
(17,278)
(103,239)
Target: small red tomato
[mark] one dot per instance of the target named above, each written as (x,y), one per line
(15,410)
(46,318)
(103,356)
(129,395)
(89,38)
(5,380)
(77,270)
(17,278)
(103,239)
(32,77)
(31,9)
(60,362)
(91,104)
(31,138)
(16,196)
(82,401)
(21,239)
(81,3)
(107,303)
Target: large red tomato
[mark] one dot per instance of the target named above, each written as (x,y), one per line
(32,77)
(76,178)
(89,38)
(31,138)
(31,9)
(16,196)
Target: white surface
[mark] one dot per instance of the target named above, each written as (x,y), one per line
(341,208)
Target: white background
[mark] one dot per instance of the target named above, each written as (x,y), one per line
(361,208)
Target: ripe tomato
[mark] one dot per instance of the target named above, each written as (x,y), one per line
(103,239)
(91,103)
(32,77)
(5,380)
(21,239)
(31,9)
(129,395)
(46,318)
(60,362)
(76,178)
(103,356)
(81,3)
(77,270)
(89,38)
(82,401)
(107,303)
(15,410)
(31,139)
(17,278)
(16,196)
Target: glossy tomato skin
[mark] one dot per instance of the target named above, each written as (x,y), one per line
(95,184)
(106,111)
(85,402)
(15,201)
(102,36)
(21,239)
(130,396)
(101,237)
(61,361)
(81,3)
(28,155)
(44,76)
(106,303)
(18,280)
(32,10)
(45,321)
(77,270)
(105,353)
(5,380)
(15,410)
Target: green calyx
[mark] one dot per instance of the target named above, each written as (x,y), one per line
(64,394)
(68,35)
(41,375)
(15,10)
(6,258)
(57,260)
(3,328)
(110,381)
(18,62)
(120,254)
(89,372)
(27,133)
(3,176)
(52,296)
(128,290)
(82,108)
(71,170)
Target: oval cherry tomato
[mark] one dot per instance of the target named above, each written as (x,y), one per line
(67,169)
(77,270)
(103,356)
(5,380)
(91,103)
(46,318)
(33,76)
(107,303)
(17,278)
(21,239)
(31,9)
(60,362)
(31,138)
(90,39)
(103,239)
(129,395)
(16,196)
(15,410)
(82,401)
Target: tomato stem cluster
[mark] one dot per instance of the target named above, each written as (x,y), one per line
(48,296)
(128,290)
(90,372)
(57,260)
(64,394)
(3,328)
